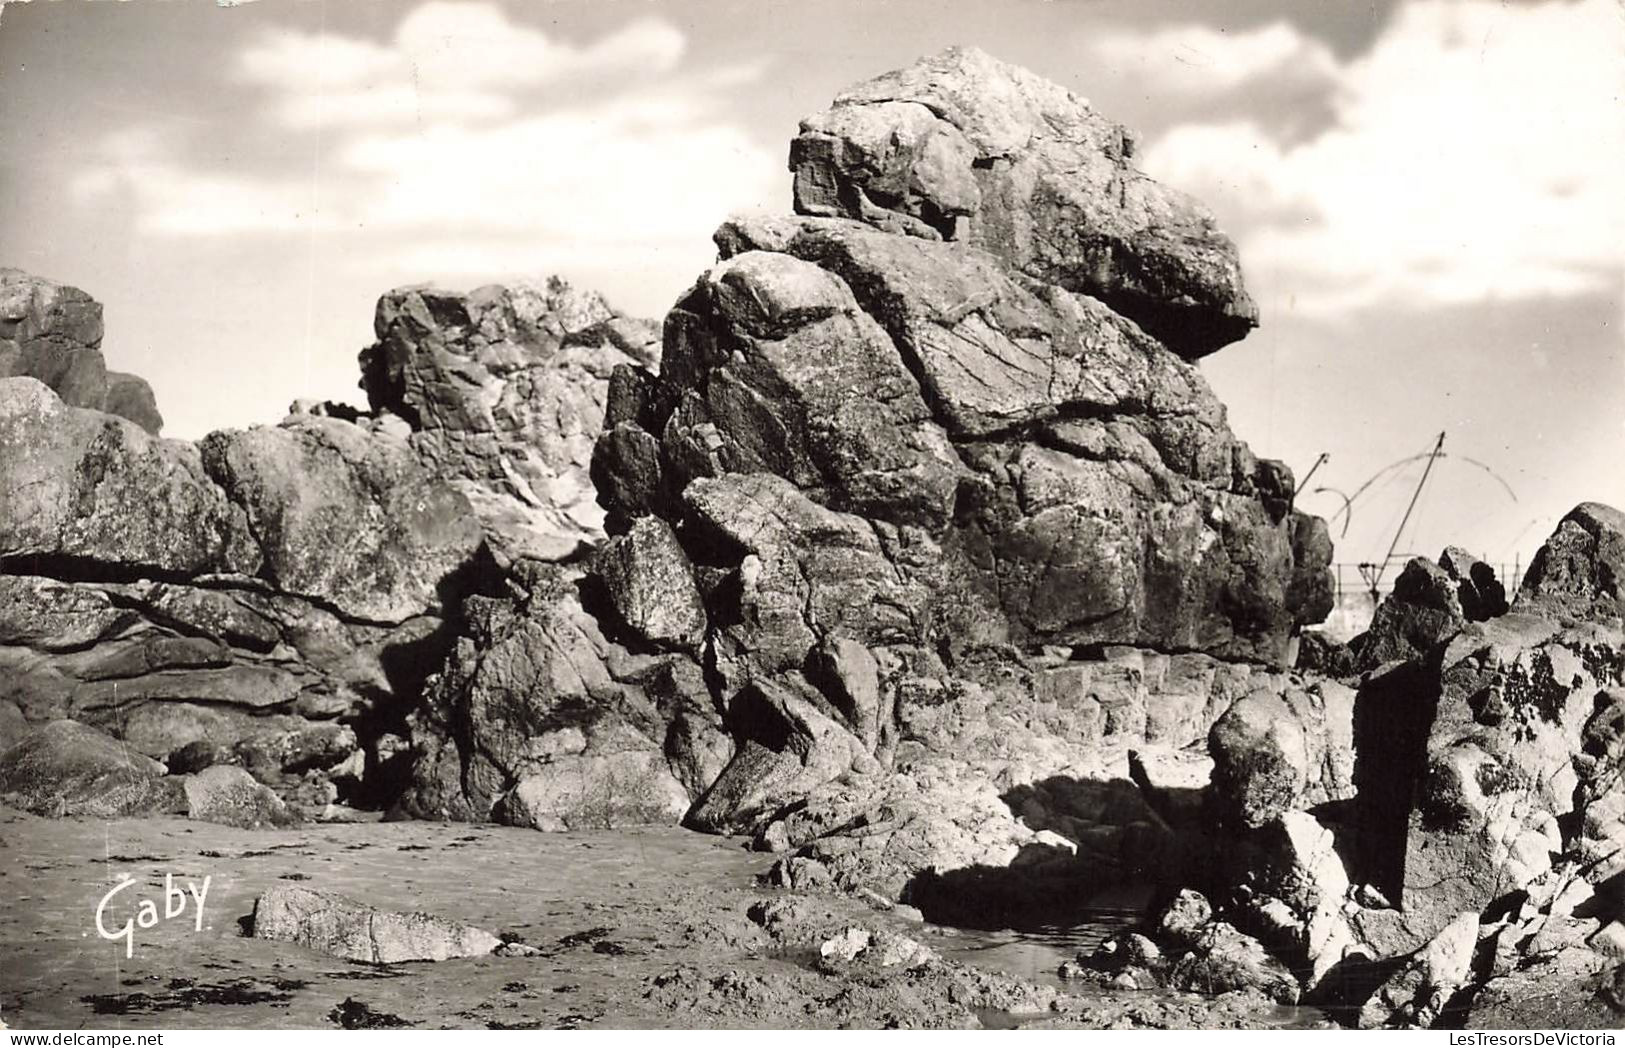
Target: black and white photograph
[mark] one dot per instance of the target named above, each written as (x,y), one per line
(717,515)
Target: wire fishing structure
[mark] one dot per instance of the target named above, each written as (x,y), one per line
(1371,571)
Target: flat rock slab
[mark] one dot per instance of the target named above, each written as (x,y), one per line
(336,925)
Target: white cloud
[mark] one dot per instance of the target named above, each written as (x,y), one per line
(1476,151)
(441,147)
(447,61)
(1201,61)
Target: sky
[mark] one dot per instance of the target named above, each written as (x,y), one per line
(1427,196)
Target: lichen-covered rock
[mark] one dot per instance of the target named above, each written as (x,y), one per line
(82,485)
(504,389)
(330,923)
(961,146)
(65,768)
(1500,779)
(345,517)
(1579,574)
(229,795)
(53,333)
(651,584)
(538,719)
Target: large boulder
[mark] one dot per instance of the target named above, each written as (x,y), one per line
(962,147)
(66,768)
(1075,477)
(345,517)
(53,333)
(83,486)
(504,391)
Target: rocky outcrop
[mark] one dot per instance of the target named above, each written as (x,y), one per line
(330,923)
(539,719)
(923,554)
(272,599)
(53,333)
(241,593)
(1477,827)
(503,391)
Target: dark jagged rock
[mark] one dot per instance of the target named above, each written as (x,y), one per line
(1579,575)
(960,146)
(1480,593)
(539,720)
(1423,610)
(53,333)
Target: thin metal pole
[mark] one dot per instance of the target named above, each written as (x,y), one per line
(1432,458)
(1321,461)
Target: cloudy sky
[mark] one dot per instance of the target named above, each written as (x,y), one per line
(1427,194)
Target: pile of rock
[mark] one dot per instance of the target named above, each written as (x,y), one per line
(1480,853)
(918,549)
(53,333)
(273,599)
(926,522)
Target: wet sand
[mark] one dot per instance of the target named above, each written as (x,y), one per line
(643,928)
(58,972)
(611,910)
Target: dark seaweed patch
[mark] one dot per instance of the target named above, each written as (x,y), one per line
(185,994)
(358,1015)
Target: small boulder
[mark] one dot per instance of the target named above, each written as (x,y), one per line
(1414,996)
(332,924)
(1260,760)
(1225,960)
(652,586)
(226,794)
(1186,919)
